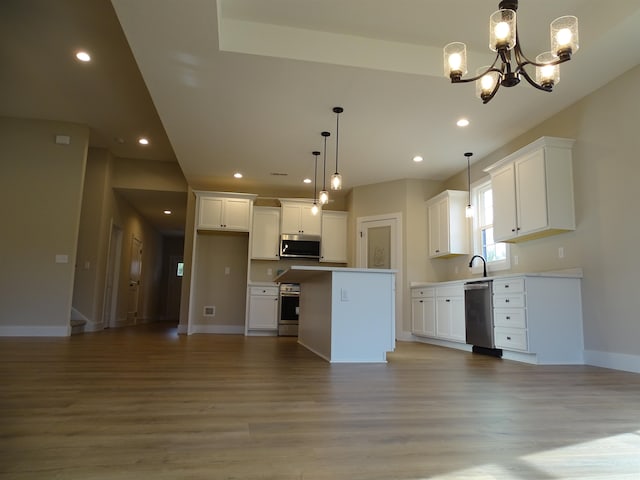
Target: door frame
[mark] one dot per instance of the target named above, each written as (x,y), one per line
(394,221)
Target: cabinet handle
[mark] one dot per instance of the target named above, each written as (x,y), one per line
(518,228)
(506,300)
(447,300)
(508,338)
(420,301)
(437,251)
(513,229)
(506,286)
(508,317)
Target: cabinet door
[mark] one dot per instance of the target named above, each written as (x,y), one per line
(310,224)
(210,212)
(290,220)
(237,213)
(531,193)
(458,330)
(504,204)
(263,312)
(434,229)
(334,237)
(443,317)
(423,316)
(265,233)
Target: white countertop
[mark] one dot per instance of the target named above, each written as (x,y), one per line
(299,271)
(569,273)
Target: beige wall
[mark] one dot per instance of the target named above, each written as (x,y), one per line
(216,251)
(606,169)
(41,190)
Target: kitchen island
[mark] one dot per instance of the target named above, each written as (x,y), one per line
(346,314)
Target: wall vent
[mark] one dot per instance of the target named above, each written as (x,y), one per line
(209,311)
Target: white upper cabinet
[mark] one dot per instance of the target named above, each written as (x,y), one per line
(333,245)
(297,219)
(224,211)
(265,233)
(447,224)
(533,191)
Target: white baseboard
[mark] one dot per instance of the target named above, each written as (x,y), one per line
(34,331)
(441,343)
(218,329)
(405,336)
(616,361)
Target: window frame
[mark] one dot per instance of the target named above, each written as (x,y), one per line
(477,188)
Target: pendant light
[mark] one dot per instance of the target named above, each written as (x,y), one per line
(468,212)
(336,178)
(315,209)
(323,196)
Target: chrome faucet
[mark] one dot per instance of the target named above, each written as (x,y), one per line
(484,264)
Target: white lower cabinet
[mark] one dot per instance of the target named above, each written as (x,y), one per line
(438,312)
(539,318)
(423,311)
(263,308)
(450,313)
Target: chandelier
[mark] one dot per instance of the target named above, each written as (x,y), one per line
(510,62)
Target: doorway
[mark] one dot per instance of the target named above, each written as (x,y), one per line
(135,274)
(379,245)
(114,255)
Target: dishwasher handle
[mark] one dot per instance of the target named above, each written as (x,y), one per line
(477,286)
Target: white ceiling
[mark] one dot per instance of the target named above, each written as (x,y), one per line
(248,85)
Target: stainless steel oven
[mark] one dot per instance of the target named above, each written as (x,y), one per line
(289,307)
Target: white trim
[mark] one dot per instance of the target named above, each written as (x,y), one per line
(182,329)
(34,331)
(218,329)
(616,361)
(442,343)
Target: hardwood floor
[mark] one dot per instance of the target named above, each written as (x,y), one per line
(144,403)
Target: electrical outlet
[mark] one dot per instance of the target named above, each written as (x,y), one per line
(269,271)
(209,311)
(227,270)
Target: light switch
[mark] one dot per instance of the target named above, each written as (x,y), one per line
(62,258)
(227,270)
(344,295)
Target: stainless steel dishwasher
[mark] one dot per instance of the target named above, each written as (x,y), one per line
(478,312)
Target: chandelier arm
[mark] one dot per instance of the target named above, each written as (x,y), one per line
(487,98)
(492,68)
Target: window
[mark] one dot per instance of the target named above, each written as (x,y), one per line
(496,254)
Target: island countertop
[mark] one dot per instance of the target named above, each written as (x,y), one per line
(299,273)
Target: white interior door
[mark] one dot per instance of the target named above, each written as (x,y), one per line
(379,246)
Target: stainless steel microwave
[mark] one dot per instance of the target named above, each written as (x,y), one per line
(299,246)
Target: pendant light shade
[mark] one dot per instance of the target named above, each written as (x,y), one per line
(323,196)
(336,178)
(468,211)
(315,209)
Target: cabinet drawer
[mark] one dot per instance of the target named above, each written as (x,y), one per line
(452,291)
(514,285)
(263,291)
(510,318)
(422,292)
(510,338)
(515,300)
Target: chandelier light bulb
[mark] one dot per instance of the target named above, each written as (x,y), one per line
(336,181)
(502,30)
(323,197)
(563,37)
(315,209)
(455,60)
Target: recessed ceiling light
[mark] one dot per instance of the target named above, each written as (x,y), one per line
(143,141)
(83,56)
(237,175)
(463,122)
(418,159)
(167,212)
(307,180)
